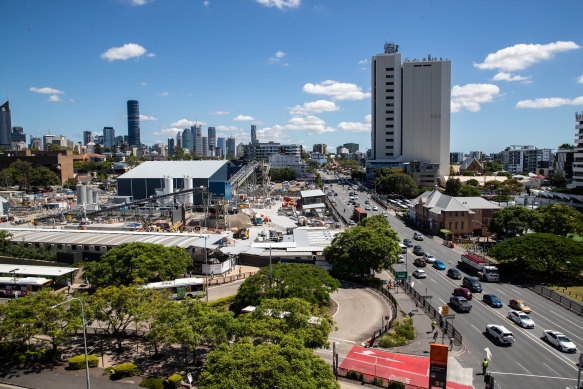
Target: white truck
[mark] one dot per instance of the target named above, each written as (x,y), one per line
(480,267)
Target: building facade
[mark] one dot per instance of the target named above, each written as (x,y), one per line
(320,148)
(410,110)
(221,147)
(17,136)
(564,159)
(5,125)
(262,151)
(231,146)
(456,157)
(254,134)
(134,123)
(517,159)
(197,138)
(187,140)
(352,147)
(170,147)
(108,137)
(282,161)
(212,141)
(87,137)
(578,162)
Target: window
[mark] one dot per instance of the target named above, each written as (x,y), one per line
(390,97)
(390,69)
(390,90)
(390,119)
(389,133)
(388,147)
(456,215)
(456,225)
(390,104)
(462,225)
(388,154)
(449,225)
(392,112)
(389,76)
(389,83)
(390,126)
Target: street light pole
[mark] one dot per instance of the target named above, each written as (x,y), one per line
(580,367)
(84,336)
(206,273)
(270,274)
(13,271)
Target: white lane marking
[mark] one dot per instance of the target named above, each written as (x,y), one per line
(535,376)
(344,340)
(476,328)
(337,308)
(568,321)
(554,371)
(443,302)
(525,369)
(435,282)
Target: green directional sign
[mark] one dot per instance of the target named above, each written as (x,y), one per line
(400,275)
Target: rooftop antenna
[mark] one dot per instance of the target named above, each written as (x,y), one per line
(391,48)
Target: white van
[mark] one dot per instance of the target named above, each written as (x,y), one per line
(403,248)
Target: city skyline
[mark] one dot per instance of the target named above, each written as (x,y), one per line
(519,84)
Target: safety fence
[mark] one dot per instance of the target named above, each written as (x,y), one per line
(559,298)
(386,324)
(425,302)
(372,373)
(216,280)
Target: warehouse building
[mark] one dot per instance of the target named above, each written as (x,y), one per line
(161,177)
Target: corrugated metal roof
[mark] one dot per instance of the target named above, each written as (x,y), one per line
(311,193)
(174,169)
(313,206)
(28,270)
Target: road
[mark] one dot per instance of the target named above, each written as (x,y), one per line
(530,362)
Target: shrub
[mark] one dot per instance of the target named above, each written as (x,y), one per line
(174,381)
(396,385)
(125,370)
(78,362)
(152,383)
(378,381)
(9,349)
(392,340)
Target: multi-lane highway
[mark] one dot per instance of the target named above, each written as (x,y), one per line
(530,361)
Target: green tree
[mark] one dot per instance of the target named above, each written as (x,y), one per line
(492,166)
(273,319)
(22,170)
(566,146)
(559,219)
(371,245)
(97,149)
(309,282)
(55,147)
(247,366)
(137,262)
(491,186)
(453,186)
(558,180)
(473,182)
(469,191)
(399,183)
(513,221)
(540,257)
(43,176)
(284,174)
(5,239)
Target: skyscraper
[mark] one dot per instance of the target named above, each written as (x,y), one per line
(231,147)
(87,137)
(134,123)
(212,137)
(108,137)
(205,146)
(5,125)
(17,135)
(410,110)
(170,147)
(221,145)
(254,134)
(47,140)
(197,137)
(187,140)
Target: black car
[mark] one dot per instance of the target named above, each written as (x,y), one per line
(454,274)
(418,250)
(407,242)
(460,304)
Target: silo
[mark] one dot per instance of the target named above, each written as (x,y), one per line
(188,197)
(81,194)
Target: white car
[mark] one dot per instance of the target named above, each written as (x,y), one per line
(401,259)
(560,341)
(375,208)
(429,258)
(385,214)
(500,334)
(419,274)
(367,208)
(521,318)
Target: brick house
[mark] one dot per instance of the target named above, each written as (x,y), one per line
(460,215)
(471,164)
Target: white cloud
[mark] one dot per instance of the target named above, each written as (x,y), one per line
(228,128)
(317,106)
(164,94)
(363,61)
(503,76)
(470,96)
(127,51)
(277,57)
(143,83)
(220,113)
(580,79)
(549,102)
(275,133)
(281,4)
(54,98)
(336,90)
(46,91)
(169,132)
(183,123)
(356,126)
(138,2)
(206,3)
(146,117)
(307,123)
(71,100)
(522,55)
(243,118)
(150,55)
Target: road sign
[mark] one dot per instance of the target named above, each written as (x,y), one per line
(400,275)
(444,310)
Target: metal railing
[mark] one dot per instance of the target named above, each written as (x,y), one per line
(559,298)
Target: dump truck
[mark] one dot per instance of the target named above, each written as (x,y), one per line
(479,267)
(258,220)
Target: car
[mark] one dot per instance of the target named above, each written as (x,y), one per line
(460,304)
(519,305)
(429,258)
(492,300)
(401,259)
(367,201)
(420,262)
(439,265)
(385,214)
(464,292)
(521,318)
(560,341)
(454,274)
(351,223)
(375,208)
(367,208)
(419,273)
(418,250)
(407,242)
(472,284)
(417,236)
(500,334)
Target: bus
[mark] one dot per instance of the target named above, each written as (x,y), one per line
(22,287)
(180,288)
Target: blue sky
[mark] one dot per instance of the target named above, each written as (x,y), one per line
(299,69)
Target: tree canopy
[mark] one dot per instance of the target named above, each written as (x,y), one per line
(137,263)
(285,174)
(541,257)
(559,219)
(399,183)
(371,245)
(246,366)
(453,186)
(310,282)
(513,221)
(469,191)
